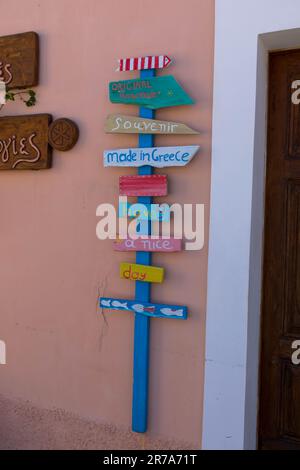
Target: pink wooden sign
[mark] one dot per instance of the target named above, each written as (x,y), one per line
(160,245)
(140,185)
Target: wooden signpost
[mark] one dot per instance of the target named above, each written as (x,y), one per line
(159,245)
(19,60)
(143,185)
(145,308)
(120,124)
(158,157)
(152,93)
(138,272)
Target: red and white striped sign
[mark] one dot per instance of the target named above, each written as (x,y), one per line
(143,63)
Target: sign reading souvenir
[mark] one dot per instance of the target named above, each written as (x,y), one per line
(145,308)
(159,245)
(138,272)
(143,63)
(153,93)
(119,124)
(19,60)
(24,142)
(158,157)
(140,185)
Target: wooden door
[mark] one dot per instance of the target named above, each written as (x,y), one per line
(279,415)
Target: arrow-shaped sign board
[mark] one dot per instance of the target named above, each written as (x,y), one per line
(158,157)
(145,308)
(143,63)
(119,124)
(153,93)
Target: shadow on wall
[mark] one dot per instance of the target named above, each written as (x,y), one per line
(25,427)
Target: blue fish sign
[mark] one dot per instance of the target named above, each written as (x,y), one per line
(145,308)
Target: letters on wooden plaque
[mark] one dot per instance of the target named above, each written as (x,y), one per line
(24,142)
(19,60)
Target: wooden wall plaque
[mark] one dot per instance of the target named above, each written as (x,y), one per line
(24,142)
(19,60)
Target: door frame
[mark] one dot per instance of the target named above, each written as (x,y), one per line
(236,243)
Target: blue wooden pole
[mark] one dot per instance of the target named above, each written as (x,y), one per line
(142,294)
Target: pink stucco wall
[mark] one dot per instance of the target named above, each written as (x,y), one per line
(61,353)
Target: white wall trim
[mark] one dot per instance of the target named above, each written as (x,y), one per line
(245,32)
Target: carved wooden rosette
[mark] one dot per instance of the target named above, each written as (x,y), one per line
(63,134)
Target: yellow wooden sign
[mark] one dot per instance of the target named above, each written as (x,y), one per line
(138,272)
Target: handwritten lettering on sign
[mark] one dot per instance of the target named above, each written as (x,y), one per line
(138,272)
(19,60)
(24,142)
(158,157)
(160,245)
(119,124)
(153,93)
(154,212)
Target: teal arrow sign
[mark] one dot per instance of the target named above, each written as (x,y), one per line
(153,93)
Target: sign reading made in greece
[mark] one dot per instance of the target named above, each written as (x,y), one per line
(158,157)
(24,142)
(153,93)
(19,56)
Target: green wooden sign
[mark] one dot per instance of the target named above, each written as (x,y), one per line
(153,93)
